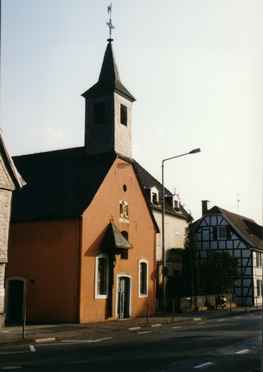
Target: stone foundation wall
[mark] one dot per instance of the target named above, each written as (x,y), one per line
(5,202)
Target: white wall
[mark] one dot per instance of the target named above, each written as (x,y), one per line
(175,233)
(122,133)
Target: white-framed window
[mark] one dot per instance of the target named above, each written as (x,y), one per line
(143,278)
(258,259)
(102,276)
(259,286)
(124,210)
(154,195)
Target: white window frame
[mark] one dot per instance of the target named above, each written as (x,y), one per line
(97,294)
(143,295)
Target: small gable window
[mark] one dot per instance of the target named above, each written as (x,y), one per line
(143,278)
(154,196)
(99,113)
(102,274)
(221,233)
(124,211)
(124,114)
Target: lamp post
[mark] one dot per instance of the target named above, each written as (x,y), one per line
(163,266)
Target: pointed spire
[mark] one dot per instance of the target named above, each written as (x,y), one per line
(109,71)
(109,79)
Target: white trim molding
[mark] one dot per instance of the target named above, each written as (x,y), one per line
(99,296)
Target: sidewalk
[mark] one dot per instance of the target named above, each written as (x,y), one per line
(92,331)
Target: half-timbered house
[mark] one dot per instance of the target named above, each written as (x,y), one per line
(221,230)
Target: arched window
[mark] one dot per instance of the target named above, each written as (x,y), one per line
(124,211)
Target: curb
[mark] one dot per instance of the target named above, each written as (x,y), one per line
(132,327)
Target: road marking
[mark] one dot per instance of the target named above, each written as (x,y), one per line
(156,325)
(134,328)
(144,332)
(75,341)
(86,341)
(244,351)
(220,320)
(204,365)
(101,339)
(176,327)
(43,340)
(13,352)
(11,367)
(32,348)
(197,319)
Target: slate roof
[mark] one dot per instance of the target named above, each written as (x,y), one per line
(109,79)
(10,166)
(147,181)
(60,184)
(245,227)
(114,239)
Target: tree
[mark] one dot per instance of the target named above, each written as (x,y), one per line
(217,273)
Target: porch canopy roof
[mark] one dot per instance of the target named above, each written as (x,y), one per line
(114,239)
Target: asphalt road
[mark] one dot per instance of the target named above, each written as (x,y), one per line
(226,344)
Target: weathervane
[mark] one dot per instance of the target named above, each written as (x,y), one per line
(109,23)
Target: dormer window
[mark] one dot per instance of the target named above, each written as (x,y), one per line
(154,196)
(99,113)
(176,205)
(124,114)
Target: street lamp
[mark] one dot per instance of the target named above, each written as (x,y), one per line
(194,151)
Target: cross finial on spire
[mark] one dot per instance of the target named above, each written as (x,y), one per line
(109,23)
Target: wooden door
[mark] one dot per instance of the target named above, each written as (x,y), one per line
(124,297)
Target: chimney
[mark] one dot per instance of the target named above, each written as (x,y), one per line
(204,207)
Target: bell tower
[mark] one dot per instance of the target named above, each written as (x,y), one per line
(108,113)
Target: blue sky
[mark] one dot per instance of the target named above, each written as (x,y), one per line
(195,67)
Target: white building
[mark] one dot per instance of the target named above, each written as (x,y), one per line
(176,220)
